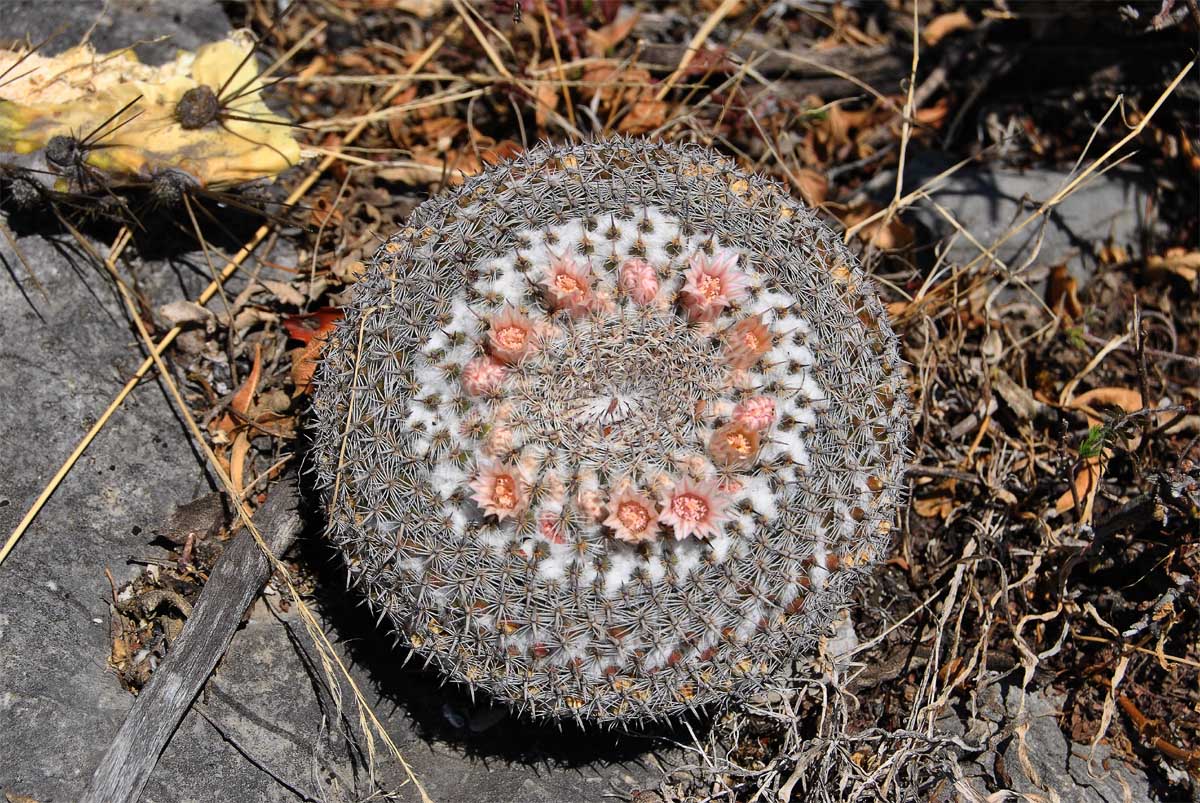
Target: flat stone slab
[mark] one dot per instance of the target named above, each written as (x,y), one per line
(1037,756)
(986,200)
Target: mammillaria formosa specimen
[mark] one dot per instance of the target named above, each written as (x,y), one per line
(610,431)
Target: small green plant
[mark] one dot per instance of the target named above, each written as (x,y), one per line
(1095,442)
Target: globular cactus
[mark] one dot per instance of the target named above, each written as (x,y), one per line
(611,431)
(83,123)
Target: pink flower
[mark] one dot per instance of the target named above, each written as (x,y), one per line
(632,517)
(499,490)
(692,508)
(757,413)
(747,341)
(481,376)
(590,503)
(568,286)
(550,527)
(499,441)
(639,281)
(511,336)
(734,444)
(712,285)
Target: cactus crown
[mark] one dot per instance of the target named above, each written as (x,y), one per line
(611,430)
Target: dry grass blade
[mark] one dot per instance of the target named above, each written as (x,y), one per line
(694,46)
(1071,186)
(466,14)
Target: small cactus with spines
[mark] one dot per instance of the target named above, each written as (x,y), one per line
(82,126)
(611,431)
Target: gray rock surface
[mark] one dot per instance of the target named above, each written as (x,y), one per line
(155,28)
(1037,757)
(988,199)
(65,354)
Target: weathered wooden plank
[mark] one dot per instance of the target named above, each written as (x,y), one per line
(235,581)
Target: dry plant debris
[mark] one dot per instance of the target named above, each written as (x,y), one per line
(1053,539)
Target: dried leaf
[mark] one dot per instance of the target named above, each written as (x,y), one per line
(428,166)
(284,291)
(304,363)
(1085,482)
(933,116)
(502,151)
(710,61)
(178,313)
(249,316)
(814,187)
(237,461)
(350,268)
(240,403)
(1061,293)
(441,131)
(312,330)
(888,235)
(935,507)
(1184,264)
(1113,254)
(198,519)
(943,25)
(421,8)
(305,327)
(1128,400)
(546,96)
(1019,399)
(604,39)
(646,115)
(606,80)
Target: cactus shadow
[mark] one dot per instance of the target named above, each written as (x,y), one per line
(436,710)
(160,233)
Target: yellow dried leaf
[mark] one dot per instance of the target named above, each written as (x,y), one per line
(1128,400)
(1184,264)
(936,507)
(943,25)
(1062,293)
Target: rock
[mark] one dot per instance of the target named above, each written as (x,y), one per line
(65,354)
(155,28)
(986,200)
(1043,760)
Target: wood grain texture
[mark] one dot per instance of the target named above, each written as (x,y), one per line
(235,581)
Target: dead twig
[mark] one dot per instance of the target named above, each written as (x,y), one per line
(156,713)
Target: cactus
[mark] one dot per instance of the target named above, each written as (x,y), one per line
(611,431)
(86,124)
